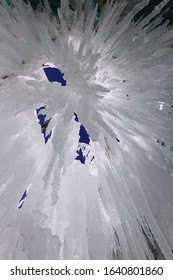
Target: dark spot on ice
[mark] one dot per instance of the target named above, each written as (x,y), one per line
(22,200)
(43,123)
(84,137)
(124,81)
(160,142)
(153,245)
(41,117)
(20,206)
(171,106)
(54,75)
(76,117)
(23,196)
(117,140)
(80,156)
(23,62)
(6,76)
(92,158)
(72,6)
(114,56)
(46,137)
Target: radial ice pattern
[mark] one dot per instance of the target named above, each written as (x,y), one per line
(106,194)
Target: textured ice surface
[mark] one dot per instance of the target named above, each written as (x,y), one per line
(119,204)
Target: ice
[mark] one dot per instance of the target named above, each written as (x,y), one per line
(86,155)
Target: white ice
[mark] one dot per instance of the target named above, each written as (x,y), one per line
(120,205)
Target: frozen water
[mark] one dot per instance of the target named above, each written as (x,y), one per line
(102,105)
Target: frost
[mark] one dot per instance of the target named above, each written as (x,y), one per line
(86,132)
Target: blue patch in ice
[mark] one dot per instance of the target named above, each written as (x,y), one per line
(80,156)
(76,117)
(23,196)
(41,117)
(54,74)
(46,137)
(84,136)
(21,201)
(84,140)
(84,154)
(92,158)
(20,205)
(43,123)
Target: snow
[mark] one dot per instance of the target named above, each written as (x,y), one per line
(101,186)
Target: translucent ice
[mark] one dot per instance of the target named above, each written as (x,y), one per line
(113,75)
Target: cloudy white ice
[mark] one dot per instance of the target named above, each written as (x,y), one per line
(101,185)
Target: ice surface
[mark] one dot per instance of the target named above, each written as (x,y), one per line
(118,202)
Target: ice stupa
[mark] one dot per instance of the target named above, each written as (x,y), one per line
(86,110)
